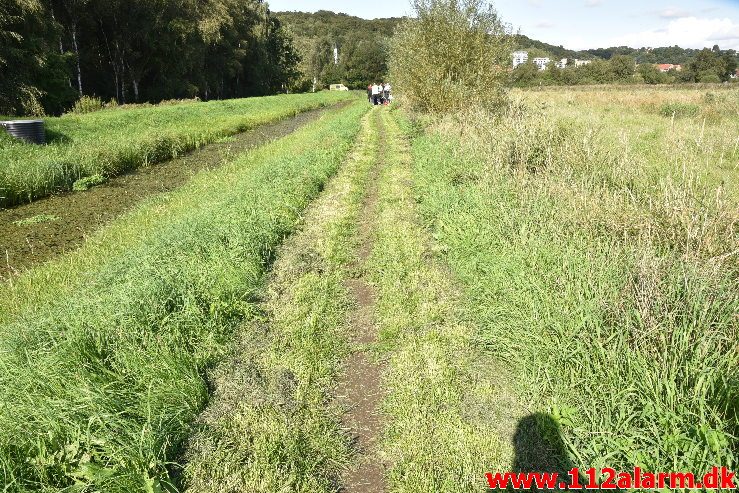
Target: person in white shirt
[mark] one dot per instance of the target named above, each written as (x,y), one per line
(386,90)
(376,89)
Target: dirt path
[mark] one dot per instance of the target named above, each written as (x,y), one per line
(359,389)
(80,214)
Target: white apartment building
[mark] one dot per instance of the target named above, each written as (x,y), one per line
(542,62)
(580,63)
(520,58)
(561,64)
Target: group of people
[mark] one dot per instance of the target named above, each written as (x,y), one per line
(379,93)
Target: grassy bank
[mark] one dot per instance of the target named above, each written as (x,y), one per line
(103,352)
(270,426)
(597,246)
(112,141)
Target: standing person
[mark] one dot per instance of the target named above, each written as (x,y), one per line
(369,93)
(375,94)
(388,90)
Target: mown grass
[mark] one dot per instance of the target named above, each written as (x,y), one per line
(597,243)
(443,409)
(103,352)
(112,141)
(270,426)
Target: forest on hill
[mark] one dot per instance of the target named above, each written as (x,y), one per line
(361,46)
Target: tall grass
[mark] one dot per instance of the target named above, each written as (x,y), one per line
(598,247)
(103,353)
(113,141)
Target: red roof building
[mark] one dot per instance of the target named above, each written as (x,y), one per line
(666,67)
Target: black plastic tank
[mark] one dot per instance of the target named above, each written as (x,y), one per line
(31,131)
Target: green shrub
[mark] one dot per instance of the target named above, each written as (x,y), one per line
(87,104)
(451,56)
(88,182)
(709,78)
(679,110)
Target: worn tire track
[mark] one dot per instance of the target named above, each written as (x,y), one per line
(359,388)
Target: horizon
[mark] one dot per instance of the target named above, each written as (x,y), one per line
(583,24)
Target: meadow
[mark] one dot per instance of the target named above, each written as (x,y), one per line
(595,234)
(550,285)
(112,141)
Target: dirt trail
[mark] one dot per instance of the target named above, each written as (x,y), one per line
(80,214)
(277,391)
(359,389)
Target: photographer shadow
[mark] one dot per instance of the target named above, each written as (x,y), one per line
(539,448)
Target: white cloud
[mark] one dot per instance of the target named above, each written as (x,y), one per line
(687,32)
(593,3)
(544,25)
(673,13)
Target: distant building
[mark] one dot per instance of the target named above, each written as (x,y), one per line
(666,67)
(580,63)
(562,63)
(520,58)
(542,62)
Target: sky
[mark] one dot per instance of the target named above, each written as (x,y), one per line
(582,24)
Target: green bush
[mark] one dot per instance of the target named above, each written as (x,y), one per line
(87,104)
(708,77)
(679,110)
(452,55)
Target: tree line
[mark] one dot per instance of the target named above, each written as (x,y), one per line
(52,52)
(361,48)
(706,66)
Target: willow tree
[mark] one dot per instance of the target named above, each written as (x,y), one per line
(451,54)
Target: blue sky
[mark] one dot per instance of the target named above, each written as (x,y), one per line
(580,24)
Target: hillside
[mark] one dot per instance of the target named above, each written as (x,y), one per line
(362,49)
(361,45)
(555,52)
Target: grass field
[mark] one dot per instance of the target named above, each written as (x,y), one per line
(596,236)
(551,287)
(112,141)
(103,353)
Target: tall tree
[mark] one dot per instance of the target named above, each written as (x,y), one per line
(54,51)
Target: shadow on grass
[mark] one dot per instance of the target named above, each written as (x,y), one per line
(54,137)
(539,448)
